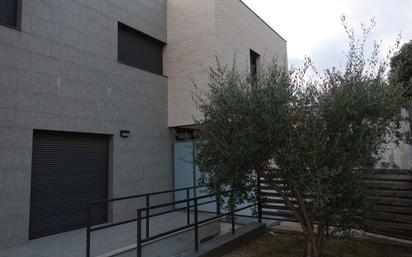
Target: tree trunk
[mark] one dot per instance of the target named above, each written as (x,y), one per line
(321,234)
(311,249)
(313,245)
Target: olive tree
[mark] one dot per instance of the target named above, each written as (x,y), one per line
(241,127)
(401,67)
(401,73)
(311,139)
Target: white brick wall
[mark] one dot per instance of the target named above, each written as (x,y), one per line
(198,31)
(191,47)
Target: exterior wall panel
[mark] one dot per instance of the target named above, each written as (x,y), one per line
(61,73)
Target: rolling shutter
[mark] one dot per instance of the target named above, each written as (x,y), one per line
(68,171)
(139,50)
(8,12)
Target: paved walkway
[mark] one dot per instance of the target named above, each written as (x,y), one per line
(73,243)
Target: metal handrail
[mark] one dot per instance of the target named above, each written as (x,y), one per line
(89,228)
(139,217)
(143,195)
(196,223)
(153,215)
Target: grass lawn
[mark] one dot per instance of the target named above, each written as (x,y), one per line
(290,245)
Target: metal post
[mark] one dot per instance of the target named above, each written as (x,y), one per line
(232,212)
(188,205)
(139,234)
(196,226)
(194,167)
(327,230)
(88,230)
(233,221)
(259,199)
(218,207)
(147,216)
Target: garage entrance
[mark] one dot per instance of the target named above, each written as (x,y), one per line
(68,171)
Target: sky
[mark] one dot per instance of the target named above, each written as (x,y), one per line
(313,27)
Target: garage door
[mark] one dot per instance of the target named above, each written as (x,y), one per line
(68,171)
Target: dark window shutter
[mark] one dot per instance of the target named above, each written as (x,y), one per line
(253,62)
(69,170)
(8,12)
(139,50)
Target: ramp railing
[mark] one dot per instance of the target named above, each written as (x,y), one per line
(190,204)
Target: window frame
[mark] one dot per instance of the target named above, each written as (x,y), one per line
(254,58)
(145,37)
(18,17)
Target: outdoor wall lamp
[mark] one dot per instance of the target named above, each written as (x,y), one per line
(124,133)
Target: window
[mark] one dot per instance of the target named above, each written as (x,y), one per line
(254,59)
(9,12)
(139,50)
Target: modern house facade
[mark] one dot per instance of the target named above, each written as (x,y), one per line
(89,91)
(201,31)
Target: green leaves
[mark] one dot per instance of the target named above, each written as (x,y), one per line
(241,125)
(401,68)
(321,134)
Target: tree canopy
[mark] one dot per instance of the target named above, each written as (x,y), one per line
(401,67)
(241,127)
(310,139)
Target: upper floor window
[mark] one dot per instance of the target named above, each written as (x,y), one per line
(254,59)
(9,12)
(139,50)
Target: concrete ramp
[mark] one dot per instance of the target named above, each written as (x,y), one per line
(181,244)
(174,245)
